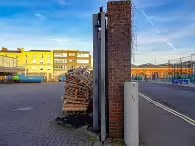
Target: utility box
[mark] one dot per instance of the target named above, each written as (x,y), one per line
(131,114)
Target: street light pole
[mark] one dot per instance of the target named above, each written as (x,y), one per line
(192,64)
(181,65)
(192,68)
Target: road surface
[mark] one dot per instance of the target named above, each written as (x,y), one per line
(179,98)
(27,113)
(159,127)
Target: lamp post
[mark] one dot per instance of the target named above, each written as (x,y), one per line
(181,67)
(192,68)
(192,63)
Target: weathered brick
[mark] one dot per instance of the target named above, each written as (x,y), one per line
(119,62)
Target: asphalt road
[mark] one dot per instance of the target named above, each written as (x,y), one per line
(179,98)
(27,114)
(159,127)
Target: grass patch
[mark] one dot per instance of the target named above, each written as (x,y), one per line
(118,142)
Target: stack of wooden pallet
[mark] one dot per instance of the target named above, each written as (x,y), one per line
(78,91)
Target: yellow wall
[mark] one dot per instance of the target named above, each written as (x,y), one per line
(26,58)
(8,61)
(18,56)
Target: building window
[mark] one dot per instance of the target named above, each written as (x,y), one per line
(34,61)
(48,61)
(26,61)
(65,61)
(71,54)
(34,67)
(41,56)
(64,55)
(72,60)
(72,67)
(34,55)
(26,55)
(65,67)
(60,54)
(48,56)
(41,61)
(41,67)
(83,55)
(83,61)
(48,68)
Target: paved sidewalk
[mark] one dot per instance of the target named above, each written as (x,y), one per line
(35,125)
(160,128)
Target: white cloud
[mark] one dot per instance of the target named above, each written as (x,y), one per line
(64,2)
(156,30)
(58,40)
(172,35)
(162,19)
(150,45)
(149,3)
(12,41)
(146,56)
(40,16)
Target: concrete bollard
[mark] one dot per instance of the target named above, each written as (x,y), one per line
(131,114)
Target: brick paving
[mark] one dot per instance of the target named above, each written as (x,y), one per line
(35,126)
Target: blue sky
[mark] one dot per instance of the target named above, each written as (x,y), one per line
(164,28)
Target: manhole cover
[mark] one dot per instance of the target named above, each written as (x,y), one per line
(22,109)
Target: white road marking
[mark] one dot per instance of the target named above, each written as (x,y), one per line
(184,117)
(22,109)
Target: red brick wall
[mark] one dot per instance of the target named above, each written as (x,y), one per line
(119,62)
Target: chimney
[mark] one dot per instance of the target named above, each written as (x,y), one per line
(4,49)
(18,49)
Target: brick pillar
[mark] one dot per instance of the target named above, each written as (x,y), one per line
(119,62)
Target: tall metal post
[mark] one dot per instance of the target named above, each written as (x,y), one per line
(191,63)
(103,98)
(181,67)
(96,74)
(99,72)
(174,70)
(193,68)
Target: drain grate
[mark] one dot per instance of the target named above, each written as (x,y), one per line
(23,109)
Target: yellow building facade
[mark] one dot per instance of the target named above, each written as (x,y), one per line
(48,63)
(36,62)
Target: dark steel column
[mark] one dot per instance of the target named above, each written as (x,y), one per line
(95,75)
(103,97)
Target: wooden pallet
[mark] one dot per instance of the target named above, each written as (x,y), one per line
(75,112)
(78,87)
